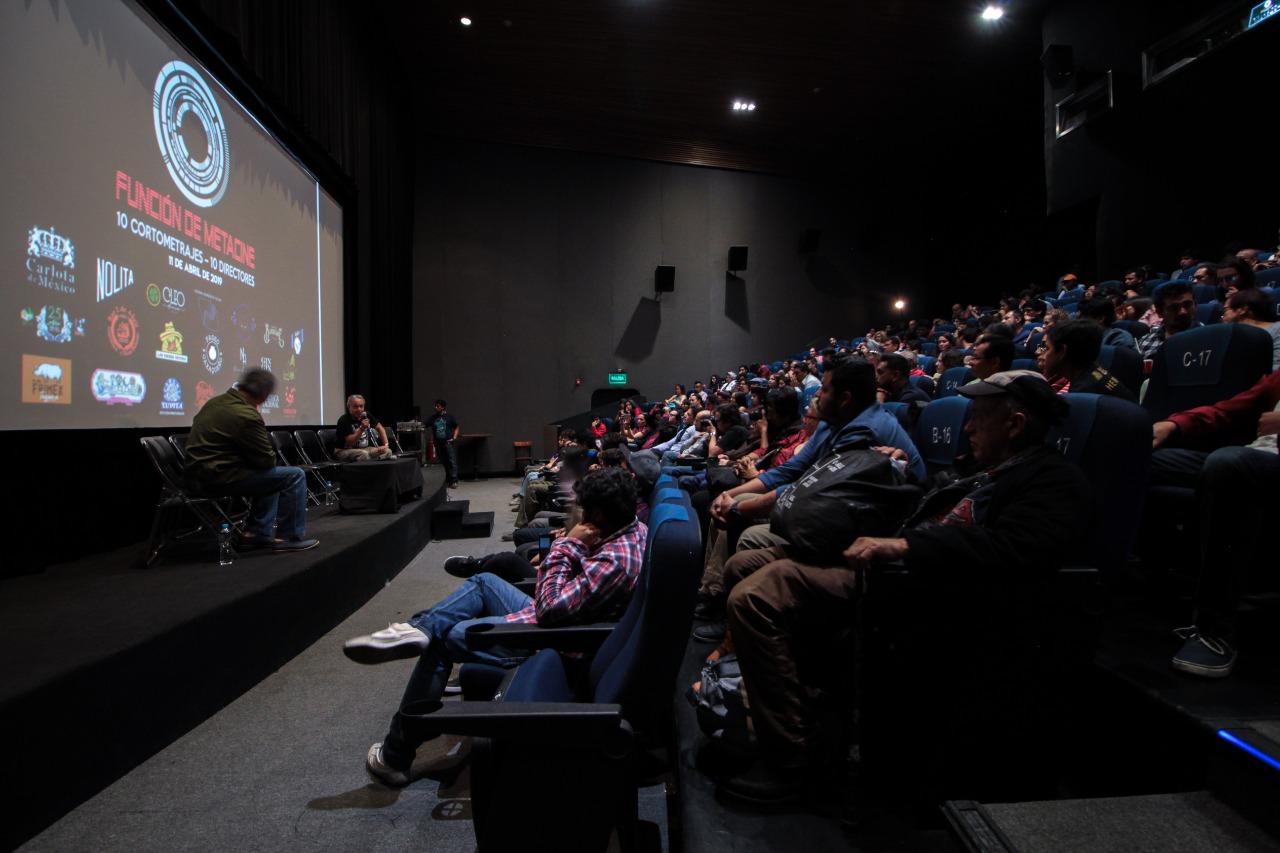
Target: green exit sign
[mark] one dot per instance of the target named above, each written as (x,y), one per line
(617,379)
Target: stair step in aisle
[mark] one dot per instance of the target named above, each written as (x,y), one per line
(477,525)
(447,521)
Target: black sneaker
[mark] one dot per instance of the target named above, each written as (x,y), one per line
(761,785)
(453,687)
(461,567)
(709,608)
(1208,657)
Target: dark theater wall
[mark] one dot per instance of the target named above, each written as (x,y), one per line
(1183,164)
(535,267)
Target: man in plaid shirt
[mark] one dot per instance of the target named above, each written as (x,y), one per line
(587,576)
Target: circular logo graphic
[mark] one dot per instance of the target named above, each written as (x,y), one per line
(153,295)
(123,331)
(212,355)
(184,111)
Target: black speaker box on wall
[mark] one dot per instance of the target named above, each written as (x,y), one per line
(1059,64)
(664,279)
(737,258)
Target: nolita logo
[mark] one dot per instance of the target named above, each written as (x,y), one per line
(191,134)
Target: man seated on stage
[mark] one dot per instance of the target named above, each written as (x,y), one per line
(360,436)
(1012,518)
(588,575)
(230,453)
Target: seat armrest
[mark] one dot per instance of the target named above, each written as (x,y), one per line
(564,638)
(576,723)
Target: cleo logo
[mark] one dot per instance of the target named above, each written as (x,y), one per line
(46,380)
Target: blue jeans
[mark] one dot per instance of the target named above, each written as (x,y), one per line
(481,598)
(279,500)
(448,455)
(528,478)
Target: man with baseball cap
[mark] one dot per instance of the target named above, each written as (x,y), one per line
(1008,522)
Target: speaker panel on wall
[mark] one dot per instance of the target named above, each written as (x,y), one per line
(664,279)
(1059,64)
(737,258)
(809,241)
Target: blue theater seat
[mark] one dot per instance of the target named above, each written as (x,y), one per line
(939,433)
(549,731)
(952,378)
(1205,365)
(1125,363)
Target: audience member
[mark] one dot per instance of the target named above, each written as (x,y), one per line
(1017,517)
(1177,307)
(588,575)
(991,355)
(1234,488)
(1070,361)
(1102,311)
(1253,307)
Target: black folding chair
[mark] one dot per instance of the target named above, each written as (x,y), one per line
(328,441)
(319,473)
(314,452)
(171,522)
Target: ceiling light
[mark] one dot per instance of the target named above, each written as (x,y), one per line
(744,106)
(466,22)
(993,13)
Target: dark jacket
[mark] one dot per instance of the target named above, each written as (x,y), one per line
(1033,525)
(228,442)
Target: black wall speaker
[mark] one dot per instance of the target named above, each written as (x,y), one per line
(664,279)
(809,241)
(737,258)
(1058,63)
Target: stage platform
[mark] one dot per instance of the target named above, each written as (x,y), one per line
(105,664)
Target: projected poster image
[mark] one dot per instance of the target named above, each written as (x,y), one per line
(154,240)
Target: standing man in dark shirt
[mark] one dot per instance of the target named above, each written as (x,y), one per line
(360,436)
(230,453)
(444,432)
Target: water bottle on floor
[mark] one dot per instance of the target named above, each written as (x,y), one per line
(226,548)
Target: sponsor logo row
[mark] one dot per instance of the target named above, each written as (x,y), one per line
(49,381)
(51,264)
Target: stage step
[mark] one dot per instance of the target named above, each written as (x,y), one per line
(477,525)
(447,521)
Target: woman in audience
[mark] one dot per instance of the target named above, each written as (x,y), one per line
(679,397)
(947,360)
(945,341)
(1252,307)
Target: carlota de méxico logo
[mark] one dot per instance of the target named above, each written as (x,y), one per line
(180,96)
(51,260)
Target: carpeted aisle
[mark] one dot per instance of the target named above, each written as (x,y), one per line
(282,767)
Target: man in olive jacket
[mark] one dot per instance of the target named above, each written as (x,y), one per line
(230,453)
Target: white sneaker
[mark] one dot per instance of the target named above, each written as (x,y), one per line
(397,641)
(383,772)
